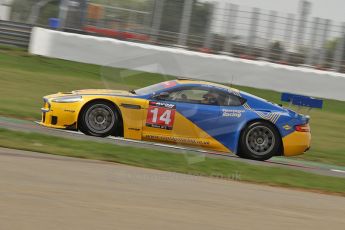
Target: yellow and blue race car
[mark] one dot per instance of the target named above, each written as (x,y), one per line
(186,112)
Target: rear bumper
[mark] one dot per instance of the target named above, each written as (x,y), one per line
(296,143)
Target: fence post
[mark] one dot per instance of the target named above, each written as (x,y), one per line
(230,27)
(252,31)
(322,57)
(209,34)
(270,33)
(157,18)
(287,37)
(339,51)
(303,15)
(63,11)
(313,39)
(185,21)
(84,8)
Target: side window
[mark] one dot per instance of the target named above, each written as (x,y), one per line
(232,100)
(192,95)
(206,96)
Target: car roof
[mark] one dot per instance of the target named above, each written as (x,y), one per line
(200,82)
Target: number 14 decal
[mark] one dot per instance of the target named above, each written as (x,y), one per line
(160,115)
(165,117)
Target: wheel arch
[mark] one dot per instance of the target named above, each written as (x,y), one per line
(118,111)
(249,122)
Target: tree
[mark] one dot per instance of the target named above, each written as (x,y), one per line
(276,50)
(21,10)
(331,46)
(172,15)
(201,17)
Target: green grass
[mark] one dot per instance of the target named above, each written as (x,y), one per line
(24,79)
(173,162)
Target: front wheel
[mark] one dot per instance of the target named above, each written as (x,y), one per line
(259,141)
(98,119)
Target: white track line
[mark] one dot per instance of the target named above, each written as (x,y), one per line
(337,170)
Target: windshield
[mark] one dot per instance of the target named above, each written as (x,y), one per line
(156,87)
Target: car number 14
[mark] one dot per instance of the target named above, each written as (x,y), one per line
(160,117)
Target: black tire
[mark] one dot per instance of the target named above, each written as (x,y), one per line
(259,141)
(99,119)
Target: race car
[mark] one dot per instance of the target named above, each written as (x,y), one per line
(184,112)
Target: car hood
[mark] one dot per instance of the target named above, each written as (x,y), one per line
(101,92)
(91,92)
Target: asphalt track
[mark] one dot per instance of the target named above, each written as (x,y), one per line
(318,168)
(41,191)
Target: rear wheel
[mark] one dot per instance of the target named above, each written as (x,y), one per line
(99,119)
(259,141)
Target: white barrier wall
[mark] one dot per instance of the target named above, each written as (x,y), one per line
(179,62)
(5,9)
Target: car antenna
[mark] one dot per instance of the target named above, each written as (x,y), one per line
(232,80)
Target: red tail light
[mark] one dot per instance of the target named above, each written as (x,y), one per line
(302,128)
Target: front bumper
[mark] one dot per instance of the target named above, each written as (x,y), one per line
(59,115)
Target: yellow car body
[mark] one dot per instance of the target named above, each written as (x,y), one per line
(134,128)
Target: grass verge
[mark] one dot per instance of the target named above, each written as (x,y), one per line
(171,162)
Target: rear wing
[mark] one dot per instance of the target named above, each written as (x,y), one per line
(302,101)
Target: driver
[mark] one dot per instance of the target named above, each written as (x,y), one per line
(209,99)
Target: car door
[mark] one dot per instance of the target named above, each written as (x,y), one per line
(183,116)
(232,119)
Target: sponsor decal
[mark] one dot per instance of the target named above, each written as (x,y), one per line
(232,113)
(160,115)
(234,92)
(183,140)
(135,129)
(169,84)
(287,127)
(162,104)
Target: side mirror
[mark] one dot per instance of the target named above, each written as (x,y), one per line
(161,96)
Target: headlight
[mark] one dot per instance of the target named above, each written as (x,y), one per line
(67,99)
